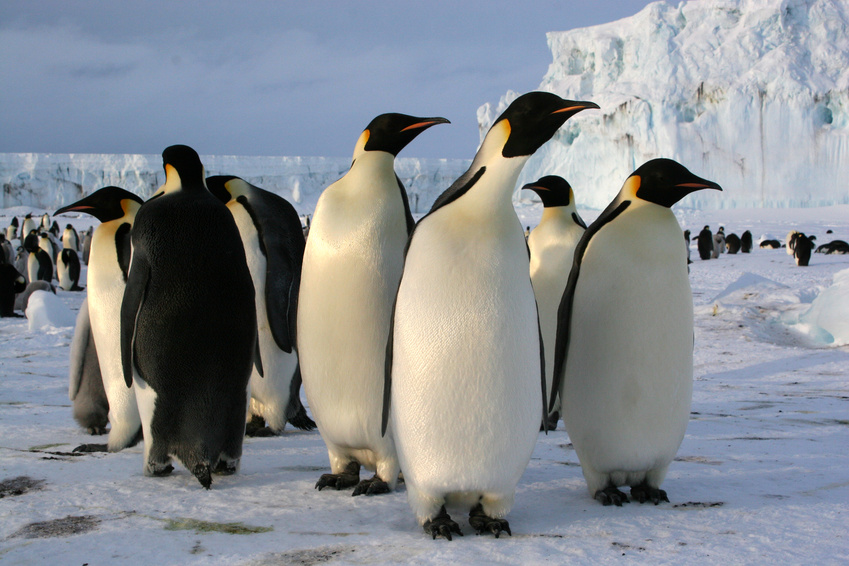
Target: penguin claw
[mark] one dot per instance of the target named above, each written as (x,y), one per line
(611,496)
(442,525)
(371,486)
(645,492)
(483,523)
(91,448)
(349,478)
(203,473)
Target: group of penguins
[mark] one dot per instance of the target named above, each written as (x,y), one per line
(42,255)
(435,350)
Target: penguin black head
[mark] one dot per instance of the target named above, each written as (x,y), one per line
(553,190)
(69,226)
(533,118)
(392,132)
(108,203)
(31,242)
(665,182)
(15,221)
(217,185)
(183,169)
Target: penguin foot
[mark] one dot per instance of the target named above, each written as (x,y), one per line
(611,495)
(483,523)
(442,525)
(161,470)
(263,432)
(644,492)
(91,448)
(349,478)
(301,420)
(97,430)
(226,467)
(552,421)
(256,427)
(204,474)
(371,486)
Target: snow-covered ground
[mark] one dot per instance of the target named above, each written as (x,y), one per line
(760,477)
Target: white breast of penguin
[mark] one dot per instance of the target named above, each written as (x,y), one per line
(278,365)
(629,371)
(352,263)
(466,350)
(63,273)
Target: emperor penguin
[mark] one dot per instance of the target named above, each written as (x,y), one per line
(12,229)
(39,262)
(68,270)
(46,244)
(87,245)
(705,243)
(85,388)
(746,242)
(790,241)
(718,243)
(732,243)
(274,247)
(7,251)
(11,283)
(116,209)
(624,353)
(45,223)
(70,238)
(465,382)
(188,325)
(352,263)
(28,226)
(552,244)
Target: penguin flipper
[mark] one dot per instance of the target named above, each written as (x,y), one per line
(408,215)
(387,373)
(79,345)
(282,242)
(296,413)
(134,293)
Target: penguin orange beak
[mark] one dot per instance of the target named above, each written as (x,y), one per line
(426,123)
(698,186)
(574,107)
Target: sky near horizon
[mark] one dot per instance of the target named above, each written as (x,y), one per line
(267,77)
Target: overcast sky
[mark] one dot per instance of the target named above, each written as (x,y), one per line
(267,77)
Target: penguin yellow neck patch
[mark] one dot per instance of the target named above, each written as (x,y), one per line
(631,186)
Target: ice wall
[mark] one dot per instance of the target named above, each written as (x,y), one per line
(752,94)
(50,181)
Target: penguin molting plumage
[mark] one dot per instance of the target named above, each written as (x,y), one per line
(274,247)
(352,264)
(188,325)
(552,244)
(465,383)
(106,278)
(624,353)
(85,387)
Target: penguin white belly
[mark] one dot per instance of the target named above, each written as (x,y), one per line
(629,372)
(105,294)
(269,394)
(64,274)
(32,267)
(552,248)
(352,264)
(466,401)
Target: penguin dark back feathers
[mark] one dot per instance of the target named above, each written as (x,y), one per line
(732,242)
(533,118)
(746,242)
(392,132)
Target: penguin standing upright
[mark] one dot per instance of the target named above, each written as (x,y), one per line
(465,385)
(732,243)
(746,242)
(87,244)
(687,245)
(790,241)
(274,247)
(624,354)
(718,243)
(70,238)
(6,250)
(705,243)
(352,263)
(28,226)
(85,387)
(106,277)
(39,262)
(552,244)
(46,244)
(68,270)
(12,229)
(188,324)
(44,226)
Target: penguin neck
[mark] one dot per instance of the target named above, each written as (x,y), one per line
(557,214)
(370,166)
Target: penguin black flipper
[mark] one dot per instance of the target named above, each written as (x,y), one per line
(564,312)
(387,375)
(408,215)
(296,413)
(123,247)
(283,247)
(134,294)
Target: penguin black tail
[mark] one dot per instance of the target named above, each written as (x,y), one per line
(203,473)
(298,417)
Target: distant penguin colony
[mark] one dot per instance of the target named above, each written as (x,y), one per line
(436,349)
(352,264)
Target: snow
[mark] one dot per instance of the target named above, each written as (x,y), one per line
(753,94)
(828,317)
(47,313)
(760,476)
